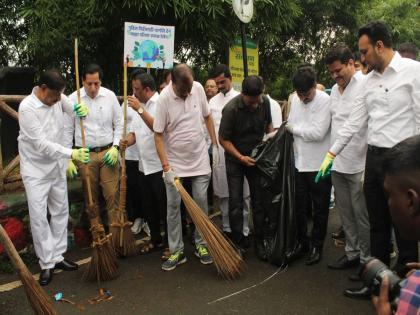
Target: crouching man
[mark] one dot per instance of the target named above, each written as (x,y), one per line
(43,163)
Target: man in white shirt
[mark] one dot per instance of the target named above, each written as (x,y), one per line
(223,78)
(103,129)
(349,166)
(309,122)
(210,88)
(133,207)
(43,162)
(182,150)
(152,189)
(390,104)
(276,115)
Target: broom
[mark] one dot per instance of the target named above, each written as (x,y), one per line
(122,238)
(228,262)
(39,300)
(102,265)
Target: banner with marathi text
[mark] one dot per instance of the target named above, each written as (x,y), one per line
(236,64)
(149,46)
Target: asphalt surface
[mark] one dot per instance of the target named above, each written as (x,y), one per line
(192,288)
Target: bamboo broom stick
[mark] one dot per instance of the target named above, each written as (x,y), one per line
(103,264)
(39,300)
(123,239)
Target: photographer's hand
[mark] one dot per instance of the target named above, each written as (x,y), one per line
(381,302)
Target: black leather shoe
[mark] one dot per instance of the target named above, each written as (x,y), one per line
(344,263)
(46,276)
(314,256)
(362,293)
(67,265)
(301,249)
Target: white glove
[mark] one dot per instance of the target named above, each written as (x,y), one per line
(289,127)
(215,154)
(169,177)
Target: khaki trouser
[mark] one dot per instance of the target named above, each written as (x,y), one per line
(105,177)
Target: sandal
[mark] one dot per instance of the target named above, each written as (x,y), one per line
(150,247)
(146,248)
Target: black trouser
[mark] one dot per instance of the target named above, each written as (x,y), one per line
(320,194)
(235,177)
(379,215)
(153,200)
(133,205)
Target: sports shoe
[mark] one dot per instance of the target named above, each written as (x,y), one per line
(136,227)
(202,252)
(174,260)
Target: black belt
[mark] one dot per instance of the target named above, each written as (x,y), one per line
(98,149)
(377,150)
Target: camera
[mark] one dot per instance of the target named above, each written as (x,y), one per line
(372,275)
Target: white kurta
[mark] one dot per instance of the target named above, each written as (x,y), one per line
(220,186)
(149,162)
(352,159)
(43,166)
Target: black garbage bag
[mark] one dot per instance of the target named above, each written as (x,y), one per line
(275,162)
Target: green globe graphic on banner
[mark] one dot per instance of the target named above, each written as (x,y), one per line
(148,51)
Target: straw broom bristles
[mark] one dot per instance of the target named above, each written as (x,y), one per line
(122,237)
(103,265)
(228,262)
(39,300)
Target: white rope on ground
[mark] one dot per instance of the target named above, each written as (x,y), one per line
(278,271)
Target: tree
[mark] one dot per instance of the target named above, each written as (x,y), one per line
(289,32)
(13,33)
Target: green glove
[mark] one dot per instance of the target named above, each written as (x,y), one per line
(81,155)
(81,110)
(111,157)
(71,169)
(325,169)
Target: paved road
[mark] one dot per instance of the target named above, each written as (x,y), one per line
(143,288)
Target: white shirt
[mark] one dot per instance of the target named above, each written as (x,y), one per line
(217,103)
(390,105)
(131,153)
(276,116)
(311,130)
(352,159)
(103,124)
(40,135)
(149,162)
(180,122)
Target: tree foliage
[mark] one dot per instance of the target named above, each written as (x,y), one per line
(13,33)
(41,32)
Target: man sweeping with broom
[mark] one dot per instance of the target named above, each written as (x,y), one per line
(103,128)
(43,167)
(182,150)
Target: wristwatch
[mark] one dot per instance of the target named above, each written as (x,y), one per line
(140,110)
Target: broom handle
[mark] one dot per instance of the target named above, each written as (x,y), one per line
(125,111)
(11,250)
(82,128)
(123,179)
